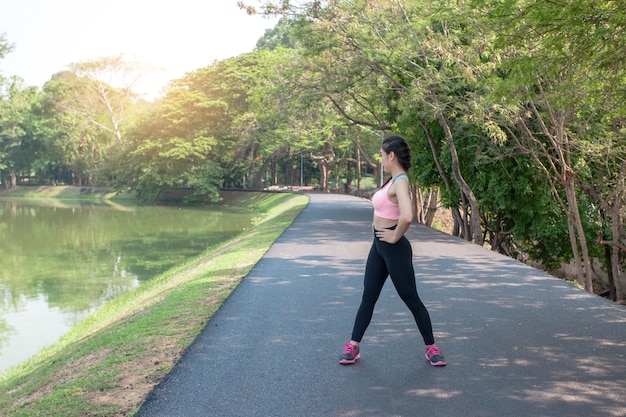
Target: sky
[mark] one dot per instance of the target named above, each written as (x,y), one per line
(171,36)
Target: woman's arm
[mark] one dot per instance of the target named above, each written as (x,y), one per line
(401,190)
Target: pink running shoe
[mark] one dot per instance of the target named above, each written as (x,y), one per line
(350,354)
(434,356)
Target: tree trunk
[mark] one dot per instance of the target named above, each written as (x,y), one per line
(459,226)
(416,203)
(424,205)
(431,209)
(617,274)
(358,170)
(575,224)
(274,172)
(324,173)
(475,230)
(613,247)
(458,229)
(608,259)
(257,181)
(474,219)
(616,229)
(615,251)
(325,160)
(13,180)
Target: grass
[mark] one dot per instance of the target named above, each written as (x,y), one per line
(107,364)
(69,192)
(366,182)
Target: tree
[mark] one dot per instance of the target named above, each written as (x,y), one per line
(559,62)
(186,139)
(104,93)
(15,105)
(76,145)
(262,130)
(5,46)
(408,52)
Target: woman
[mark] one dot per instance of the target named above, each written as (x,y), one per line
(391,253)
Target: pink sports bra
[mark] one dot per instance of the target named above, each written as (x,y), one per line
(383,207)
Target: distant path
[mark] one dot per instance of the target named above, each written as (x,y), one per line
(518,342)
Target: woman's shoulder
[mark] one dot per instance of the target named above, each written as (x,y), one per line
(406,177)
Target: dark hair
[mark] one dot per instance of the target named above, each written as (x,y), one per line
(400,148)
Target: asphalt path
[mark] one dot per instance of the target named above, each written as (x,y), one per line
(518,342)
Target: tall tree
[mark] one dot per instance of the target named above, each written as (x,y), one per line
(80,144)
(379,59)
(104,93)
(16,102)
(186,139)
(558,66)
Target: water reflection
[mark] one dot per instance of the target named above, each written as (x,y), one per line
(60,261)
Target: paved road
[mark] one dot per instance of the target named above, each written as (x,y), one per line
(518,342)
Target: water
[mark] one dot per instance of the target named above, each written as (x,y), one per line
(61,261)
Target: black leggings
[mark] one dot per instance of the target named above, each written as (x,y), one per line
(396,261)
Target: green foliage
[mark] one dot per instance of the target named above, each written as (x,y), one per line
(184,138)
(18,144)
(506,105)
(280,36)
(5,46)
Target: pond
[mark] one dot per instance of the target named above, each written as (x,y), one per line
(61,261)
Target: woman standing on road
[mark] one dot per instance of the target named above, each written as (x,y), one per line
(391,253)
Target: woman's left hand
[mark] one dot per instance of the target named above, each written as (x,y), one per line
(386,235)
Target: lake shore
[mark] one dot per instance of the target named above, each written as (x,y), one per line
(109,362)
(66,192)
